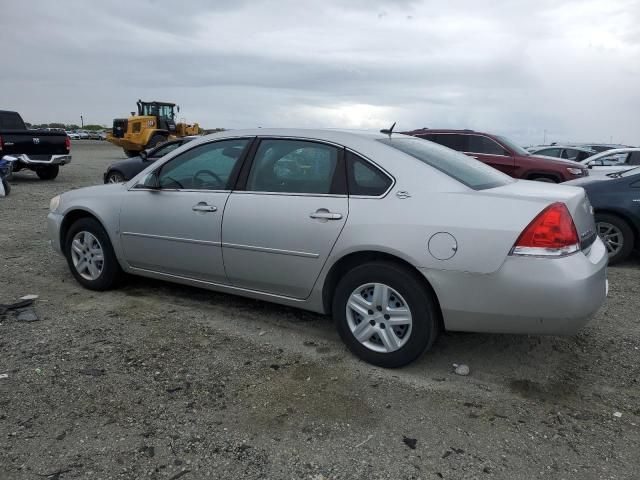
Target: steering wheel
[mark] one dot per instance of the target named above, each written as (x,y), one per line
(221,183)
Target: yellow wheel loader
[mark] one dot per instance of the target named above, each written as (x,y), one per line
(155,123)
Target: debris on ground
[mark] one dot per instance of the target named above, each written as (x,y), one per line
(410,442)
(461,369)
(364,441)
(4,375)
(30,296)
(617,414)
(22,309)
(26,315)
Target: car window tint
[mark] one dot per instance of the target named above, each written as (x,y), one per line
(549,152)
(634,158)
(205,167)
(485,145)
(293,166)
(364,178)
(450,140)
(466,170)
(162,151)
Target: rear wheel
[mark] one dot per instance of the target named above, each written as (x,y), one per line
(48,173)
(7,187)
(385,314)
(90,255)
(616,235)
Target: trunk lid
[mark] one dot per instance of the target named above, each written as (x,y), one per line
(574,198)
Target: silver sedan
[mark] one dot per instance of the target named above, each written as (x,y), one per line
(396,237)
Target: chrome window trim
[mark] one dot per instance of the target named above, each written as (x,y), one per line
(289,194)
(190,190)
(173,239)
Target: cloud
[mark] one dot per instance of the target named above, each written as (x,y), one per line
(516,68)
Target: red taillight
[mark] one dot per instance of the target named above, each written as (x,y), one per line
(67,143)
(551,233)
(1,143)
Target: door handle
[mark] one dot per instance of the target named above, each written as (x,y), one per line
(326,215)
(203,207)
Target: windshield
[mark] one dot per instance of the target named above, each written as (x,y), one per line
(472,173)
(625,173)
(513,146)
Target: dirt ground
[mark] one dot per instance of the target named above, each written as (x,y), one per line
(160,381)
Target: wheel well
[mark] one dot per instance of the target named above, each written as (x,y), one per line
(632,226)
(69,219)
(352,260)
(550,176)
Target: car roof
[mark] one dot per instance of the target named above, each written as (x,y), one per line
(613,151)
(327,134)
(573,147)
(444,130)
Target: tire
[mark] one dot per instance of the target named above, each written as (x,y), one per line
(115,176)
(131,153)
(7,187)
(412,339)
(48,173)
(617,236)
(88,231)
(156,139)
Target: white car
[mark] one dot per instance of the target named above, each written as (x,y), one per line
(616,160)
(73,135)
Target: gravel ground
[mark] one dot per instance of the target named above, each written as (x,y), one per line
(160,381)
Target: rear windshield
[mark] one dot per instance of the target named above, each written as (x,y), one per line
(11,121)
(472,173)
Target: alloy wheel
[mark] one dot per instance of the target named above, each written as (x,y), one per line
(379,317)
(611,236)
(87,255)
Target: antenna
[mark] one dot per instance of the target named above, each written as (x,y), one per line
(388,131)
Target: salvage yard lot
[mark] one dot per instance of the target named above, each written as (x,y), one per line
(156,380)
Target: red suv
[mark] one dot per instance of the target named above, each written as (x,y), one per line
(504,155)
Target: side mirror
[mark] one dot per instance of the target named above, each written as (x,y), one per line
(151,182)
(143,155)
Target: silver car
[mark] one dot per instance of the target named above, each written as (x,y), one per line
(394,236)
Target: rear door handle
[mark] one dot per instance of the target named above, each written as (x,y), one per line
(326,215)
(203,207)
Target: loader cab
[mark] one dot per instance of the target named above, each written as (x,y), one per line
(164,113)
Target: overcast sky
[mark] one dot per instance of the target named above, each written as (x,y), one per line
(516,67)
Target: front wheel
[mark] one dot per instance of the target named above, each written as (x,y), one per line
(48,173)
(114,177)
(385,314)
(616,235)
(155,140)
(6,186)
(90,255)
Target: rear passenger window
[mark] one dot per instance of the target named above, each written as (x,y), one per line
(449,140)
(479,144)
(364,178)
(293,166)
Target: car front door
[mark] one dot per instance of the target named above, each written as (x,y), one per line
(491,152)
(171,223)
(283,221)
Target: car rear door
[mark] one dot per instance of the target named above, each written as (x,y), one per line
(283,220)
(489,151)
(173,226)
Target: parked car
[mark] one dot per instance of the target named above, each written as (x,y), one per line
(616,200)
(124,170)
(83,134)
(576,154)
(601,147)
(72,135)
(38,150)
(504,155)
(93,135)
(619,159)
(393,236)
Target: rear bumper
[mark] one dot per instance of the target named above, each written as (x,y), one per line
(52,160)
(526,295)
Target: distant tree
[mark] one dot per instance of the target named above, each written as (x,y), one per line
(28,125)
(56,125)
(94,127)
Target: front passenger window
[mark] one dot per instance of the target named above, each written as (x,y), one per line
(205,167)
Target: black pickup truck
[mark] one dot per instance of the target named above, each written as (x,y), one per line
(39,150)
